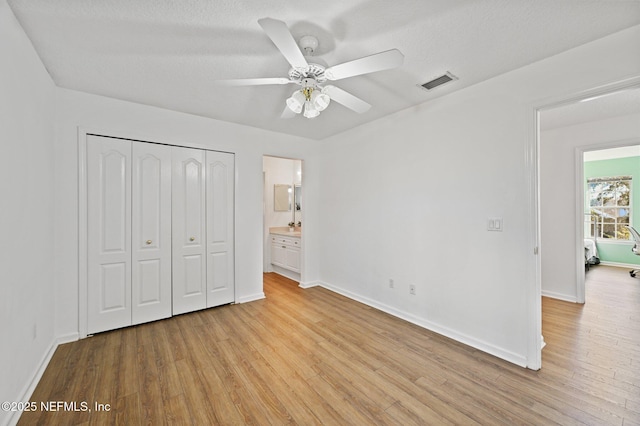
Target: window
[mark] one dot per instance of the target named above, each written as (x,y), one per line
(609,207)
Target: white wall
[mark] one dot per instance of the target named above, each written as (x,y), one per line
(558,195)
(408,196)
(26,224)
(119,118)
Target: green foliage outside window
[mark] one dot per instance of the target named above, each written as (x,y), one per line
(610,207)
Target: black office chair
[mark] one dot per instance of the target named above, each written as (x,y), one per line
(635,248)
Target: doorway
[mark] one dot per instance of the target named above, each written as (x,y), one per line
(283,210)
(567,132)
(603,118)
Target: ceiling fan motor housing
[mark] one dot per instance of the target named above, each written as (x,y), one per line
(314,71)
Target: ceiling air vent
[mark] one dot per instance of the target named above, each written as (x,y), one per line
(439,81)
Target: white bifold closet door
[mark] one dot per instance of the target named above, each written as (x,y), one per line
(220,210)
(129,232)
(188,229)
(108,233)
(151,233)
(202,217)
(160,231)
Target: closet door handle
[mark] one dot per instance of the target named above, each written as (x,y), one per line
(192,239)
(148,242)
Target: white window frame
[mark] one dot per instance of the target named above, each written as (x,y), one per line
(589,217)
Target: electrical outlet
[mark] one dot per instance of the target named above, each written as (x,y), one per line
(391,283)
(412,289)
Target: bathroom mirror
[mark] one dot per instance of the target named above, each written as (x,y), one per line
(297,203)
(281,197)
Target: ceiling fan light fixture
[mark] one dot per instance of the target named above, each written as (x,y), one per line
(296,102)
(310,110)
(320,100)
(310,73)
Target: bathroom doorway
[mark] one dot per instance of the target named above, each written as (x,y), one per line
(283,210)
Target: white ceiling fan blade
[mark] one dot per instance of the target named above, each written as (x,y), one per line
(380,61)
(346,99)
(284,41)
(287,113)
(253,81)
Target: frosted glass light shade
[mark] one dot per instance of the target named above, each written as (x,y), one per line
(296,102)
(320,101)
(310,111)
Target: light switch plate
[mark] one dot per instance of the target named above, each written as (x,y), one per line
(494,224)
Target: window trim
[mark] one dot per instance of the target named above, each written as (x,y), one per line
(588,207)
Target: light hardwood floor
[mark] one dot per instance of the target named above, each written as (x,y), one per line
(314,357)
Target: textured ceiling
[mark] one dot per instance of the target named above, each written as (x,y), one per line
(167,53)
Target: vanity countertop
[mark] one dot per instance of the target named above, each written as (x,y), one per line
(284,231)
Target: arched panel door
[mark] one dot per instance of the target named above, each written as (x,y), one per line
(220,235)
(108,233)
(188,230)
(151,232)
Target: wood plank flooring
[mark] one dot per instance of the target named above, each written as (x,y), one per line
(314,357)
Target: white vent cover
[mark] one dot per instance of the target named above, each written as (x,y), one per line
(438,81)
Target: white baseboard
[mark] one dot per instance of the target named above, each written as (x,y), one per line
(309,284)
(437,328)
(68,338)
(620,265)
(35,379)
(295,276)
(560,296)
(251,298)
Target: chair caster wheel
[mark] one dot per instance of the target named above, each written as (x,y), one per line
(632,274)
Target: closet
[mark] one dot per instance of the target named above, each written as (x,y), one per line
(159,231)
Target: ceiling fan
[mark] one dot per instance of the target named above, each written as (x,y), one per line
(314,96)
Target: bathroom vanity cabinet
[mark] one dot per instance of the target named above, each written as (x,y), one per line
(285,252)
